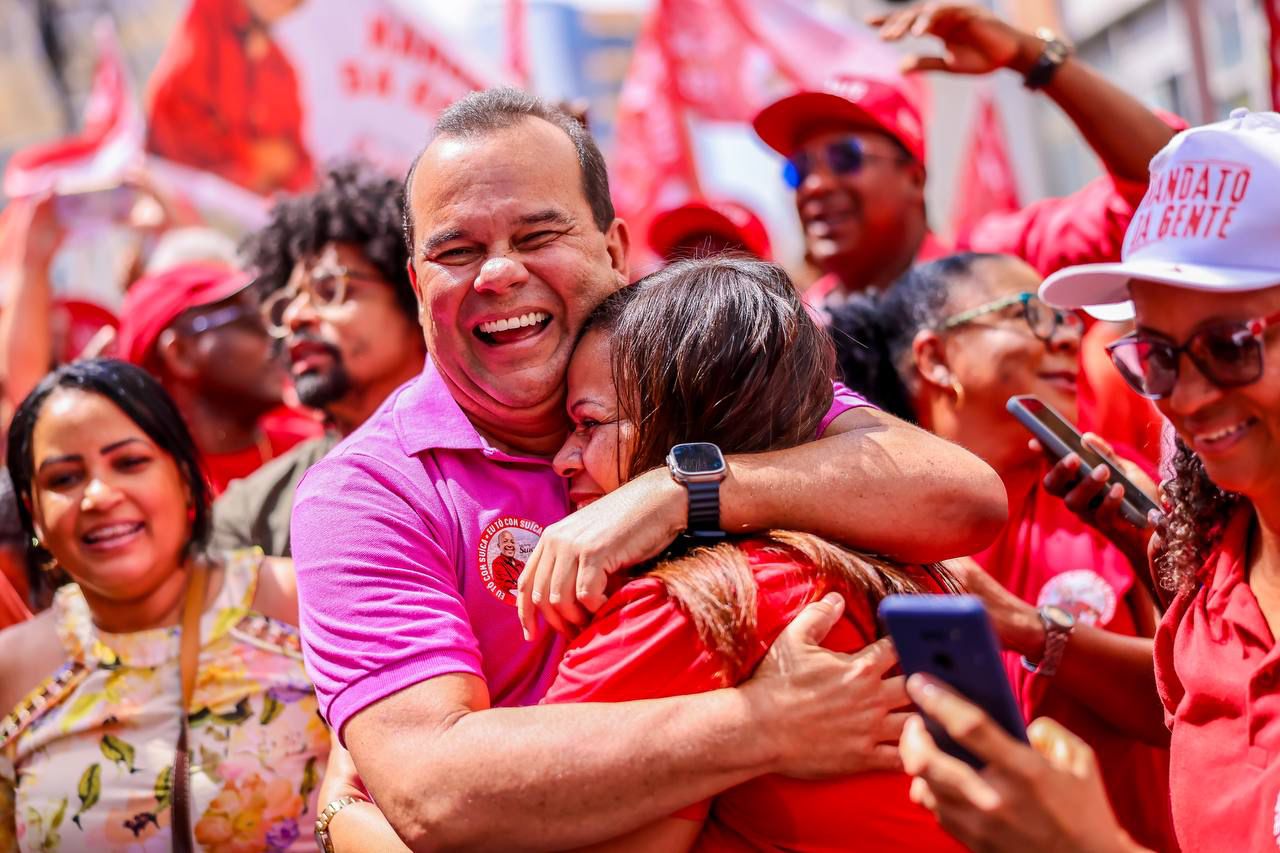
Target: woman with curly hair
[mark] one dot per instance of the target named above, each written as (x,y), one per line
(1206,295)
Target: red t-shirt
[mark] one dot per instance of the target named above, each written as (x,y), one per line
(281,435)
(1217,668)
(642,645)
(1046,555)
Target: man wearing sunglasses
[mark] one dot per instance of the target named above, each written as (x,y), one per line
(339,303)
(857,162)
(197,328)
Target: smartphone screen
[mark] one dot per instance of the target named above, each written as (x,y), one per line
(1059,438)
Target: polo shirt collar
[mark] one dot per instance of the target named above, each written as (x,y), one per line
(428,418)
(1228,593)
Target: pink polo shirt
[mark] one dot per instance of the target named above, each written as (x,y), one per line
(408,538)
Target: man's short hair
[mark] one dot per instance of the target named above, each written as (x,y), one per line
(484,112)
(354,204)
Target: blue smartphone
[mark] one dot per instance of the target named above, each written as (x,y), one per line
(950,638)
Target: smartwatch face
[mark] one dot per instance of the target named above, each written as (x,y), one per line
(698,458)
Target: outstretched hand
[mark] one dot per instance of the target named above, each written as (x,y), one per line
(1047,796)
(827,713)
(974,41)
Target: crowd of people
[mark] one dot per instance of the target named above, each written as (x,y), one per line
(416,522)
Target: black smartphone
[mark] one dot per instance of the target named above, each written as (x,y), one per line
(1058,437)
(950,638)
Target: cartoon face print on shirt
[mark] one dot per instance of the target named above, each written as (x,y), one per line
(504,548)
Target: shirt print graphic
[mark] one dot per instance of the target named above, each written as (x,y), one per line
(1083,593)
(505,547)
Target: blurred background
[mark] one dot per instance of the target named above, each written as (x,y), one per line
(668,87)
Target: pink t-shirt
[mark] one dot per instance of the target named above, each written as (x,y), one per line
(408,538)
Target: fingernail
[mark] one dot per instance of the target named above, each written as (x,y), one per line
(832,598)
(1153,517)
(1100,474)
(1117,491)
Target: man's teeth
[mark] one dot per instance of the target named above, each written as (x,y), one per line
(513,322)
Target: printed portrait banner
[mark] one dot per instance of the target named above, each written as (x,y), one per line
(263,103)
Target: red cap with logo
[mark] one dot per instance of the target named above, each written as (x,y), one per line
(729,219)
(153,302)
(845,99)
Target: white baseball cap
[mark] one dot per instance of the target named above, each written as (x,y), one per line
(1208,221)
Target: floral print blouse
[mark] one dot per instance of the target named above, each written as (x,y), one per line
(94,745)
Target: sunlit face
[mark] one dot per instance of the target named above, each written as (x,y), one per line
(597,454)
(849,218)
(109,504)
(507,544)
(360,342)
(996,356)
(508,263)
(1235,431)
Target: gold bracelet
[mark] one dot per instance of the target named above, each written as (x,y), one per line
(323,841)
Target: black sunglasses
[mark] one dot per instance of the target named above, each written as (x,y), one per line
(1228,354)
(843,157)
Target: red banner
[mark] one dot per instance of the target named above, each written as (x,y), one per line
(1272,8)
(717,62)
(986,183)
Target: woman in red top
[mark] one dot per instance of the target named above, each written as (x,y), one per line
(1206,349)
(723,351)
(947,346)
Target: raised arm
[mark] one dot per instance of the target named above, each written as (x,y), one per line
(873,482)
(30,237)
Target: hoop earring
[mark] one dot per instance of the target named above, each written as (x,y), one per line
(958,390)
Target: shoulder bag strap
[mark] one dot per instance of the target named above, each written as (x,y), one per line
(188,663)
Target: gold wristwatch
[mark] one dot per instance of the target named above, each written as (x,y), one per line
(323,841)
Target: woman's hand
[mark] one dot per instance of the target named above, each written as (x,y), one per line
(1048,796)
(1098,504)
(974,40)
(1016,622)
(568,572)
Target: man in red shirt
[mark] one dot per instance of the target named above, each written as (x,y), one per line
(856,158)
(224,98)
(197,328)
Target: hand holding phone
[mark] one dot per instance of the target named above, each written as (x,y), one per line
(1059,438)
(950,638)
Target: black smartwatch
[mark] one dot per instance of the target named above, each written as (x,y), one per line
(700,468)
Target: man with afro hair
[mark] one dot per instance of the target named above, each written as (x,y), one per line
(335,291)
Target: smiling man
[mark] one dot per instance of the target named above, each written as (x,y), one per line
(414,644)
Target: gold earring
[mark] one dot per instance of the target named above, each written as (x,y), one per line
(958,390)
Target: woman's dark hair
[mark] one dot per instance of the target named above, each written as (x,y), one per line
(719,350)
(873,334)
(1198,513)
(354,204)
(723,350)
(145,403)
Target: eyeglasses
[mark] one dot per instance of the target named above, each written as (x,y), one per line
(327,289)
(843,157)
(1043,321)
(216,319)
(1228,354)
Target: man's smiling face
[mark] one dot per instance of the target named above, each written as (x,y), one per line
(508,263)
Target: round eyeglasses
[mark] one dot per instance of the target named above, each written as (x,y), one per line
(1043,321)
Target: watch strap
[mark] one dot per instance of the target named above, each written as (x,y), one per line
(323,841)
(1051,58)
(704,509)
(1055,643)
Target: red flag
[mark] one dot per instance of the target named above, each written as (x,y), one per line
(718,62)
(1272,8)
(100,155)
(986,184)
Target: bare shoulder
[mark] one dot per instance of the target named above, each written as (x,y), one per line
(29,653)
(277,594)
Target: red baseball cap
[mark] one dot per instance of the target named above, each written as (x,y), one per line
(717,216)
(80,321)
(845,98)
(153,302)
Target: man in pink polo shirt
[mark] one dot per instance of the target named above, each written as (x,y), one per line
(402,534)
